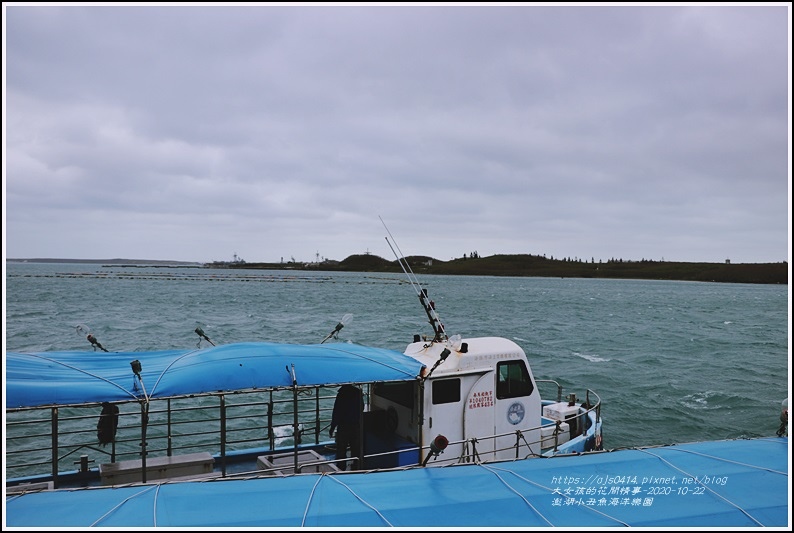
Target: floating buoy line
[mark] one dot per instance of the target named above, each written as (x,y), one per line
(207,277)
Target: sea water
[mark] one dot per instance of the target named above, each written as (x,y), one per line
(673,362)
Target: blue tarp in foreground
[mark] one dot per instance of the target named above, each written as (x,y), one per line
(67,378)
(734,483)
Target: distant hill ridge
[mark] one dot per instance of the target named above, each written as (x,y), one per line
(523,265)
(518,265)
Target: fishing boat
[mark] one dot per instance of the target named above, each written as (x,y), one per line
(258,408)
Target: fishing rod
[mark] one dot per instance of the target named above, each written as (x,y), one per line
(200,332)
(85,330)
(428,305)
(342,323)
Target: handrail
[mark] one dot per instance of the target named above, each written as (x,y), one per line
(175,426)
(259,420)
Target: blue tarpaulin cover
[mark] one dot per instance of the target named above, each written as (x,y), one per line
(733,483)
(67,378)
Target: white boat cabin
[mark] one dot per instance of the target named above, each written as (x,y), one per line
(478,394)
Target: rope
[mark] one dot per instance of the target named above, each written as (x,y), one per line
(154,505)
(704,485)
(549,489)
(335,347)
(515,491)
(125,500)
(54,361)
(328,476)
(309,501)
(756,467)
(172,363)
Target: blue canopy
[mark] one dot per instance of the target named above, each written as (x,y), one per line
(737,483)
(69,378)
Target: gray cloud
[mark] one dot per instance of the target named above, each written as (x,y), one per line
(192,133)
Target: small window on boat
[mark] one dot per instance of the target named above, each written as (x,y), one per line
(399,393)
(512,380)
(446,391)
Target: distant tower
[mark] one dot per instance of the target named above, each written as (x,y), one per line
(317,257)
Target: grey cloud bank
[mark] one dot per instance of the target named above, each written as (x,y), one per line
(194,133)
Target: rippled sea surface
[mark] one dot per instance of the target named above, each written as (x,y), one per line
(673,362)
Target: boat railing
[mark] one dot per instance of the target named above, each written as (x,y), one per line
(557,385)
(47,440)
(590,413)
(595,404)
(470,452)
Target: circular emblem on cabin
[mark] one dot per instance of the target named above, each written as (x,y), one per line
(515,413)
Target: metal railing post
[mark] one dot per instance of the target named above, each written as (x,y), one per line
(169,446)
(223,434)
(54,444)
(144,423)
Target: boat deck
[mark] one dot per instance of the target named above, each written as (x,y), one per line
(729,483)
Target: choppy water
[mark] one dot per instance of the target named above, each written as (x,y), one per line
(672,361)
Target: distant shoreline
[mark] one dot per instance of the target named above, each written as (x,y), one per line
(123,262)
(497,265)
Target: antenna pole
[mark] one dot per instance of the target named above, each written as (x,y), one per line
(428,305)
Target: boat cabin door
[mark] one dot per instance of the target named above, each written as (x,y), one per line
(478,419)
(517,410)
(443,415)
(461,408)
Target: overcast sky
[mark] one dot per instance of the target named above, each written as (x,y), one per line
(277,133)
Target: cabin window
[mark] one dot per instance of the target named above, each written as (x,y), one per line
(399,393)
(446,391)
(512,380)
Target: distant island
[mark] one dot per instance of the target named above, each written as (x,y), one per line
(519,265)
